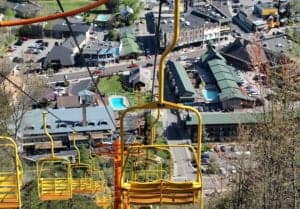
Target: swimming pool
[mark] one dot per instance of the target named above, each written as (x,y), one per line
(210,94)
(118,102)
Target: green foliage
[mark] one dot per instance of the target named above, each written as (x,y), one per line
(205,147)
(5,112)
(112,5)
(213,167)
(31,201)
(136,5)
(113,86)
(9,14)
(84,154)
(113,35)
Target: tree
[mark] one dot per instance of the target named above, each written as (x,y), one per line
(136,5)
(113,35)
(113,5)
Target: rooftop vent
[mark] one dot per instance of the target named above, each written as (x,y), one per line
(91,124)
(28,128)
(47,126)
(102,123)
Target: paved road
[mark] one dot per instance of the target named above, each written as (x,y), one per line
(81,85)
(79,73)
(183,169)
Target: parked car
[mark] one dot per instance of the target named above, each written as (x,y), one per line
(132,65)
(149,65)
(39,41)
(19,42)
(18,60)
(222,148)
(204,161)
(97,72)
(24,38)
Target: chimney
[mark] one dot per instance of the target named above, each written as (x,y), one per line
(84,121)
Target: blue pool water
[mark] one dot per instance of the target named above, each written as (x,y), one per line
(117,103)
(210,94)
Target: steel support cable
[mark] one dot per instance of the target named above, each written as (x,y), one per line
(84,62)
(30,97)
(157,33)
(53,16)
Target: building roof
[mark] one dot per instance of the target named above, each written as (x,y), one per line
(129,46)
(77,26)
(70,44)
(102,48)
(183,83)
(67,102)
(225,80)
(61,54)
(218,118)
(224,74)
(245,51)
(97,118)
(142,75)
(103,17)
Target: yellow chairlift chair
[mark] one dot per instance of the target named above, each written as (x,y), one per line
(164,190)
(10,180)
(104,199)
(82,176)
(98,179)
(53,174)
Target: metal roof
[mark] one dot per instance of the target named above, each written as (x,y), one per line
(183,83)
(218,118)
(97,118)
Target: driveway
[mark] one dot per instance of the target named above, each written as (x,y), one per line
(79,86)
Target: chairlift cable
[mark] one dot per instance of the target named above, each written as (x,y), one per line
(30,97)
(84,62)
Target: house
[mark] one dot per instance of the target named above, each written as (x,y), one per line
(101,52)
(26,10)
(179,83)
(139,78)
(248,22)
(217,76)
(64,55)
(92,124)
(60,29)
(245,55)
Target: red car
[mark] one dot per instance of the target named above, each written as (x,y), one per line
(132,65)
(97,72)
(24,38)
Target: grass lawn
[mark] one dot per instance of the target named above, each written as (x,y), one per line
(67,4)
(113,86)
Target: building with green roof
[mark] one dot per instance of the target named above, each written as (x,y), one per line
(214,71)
(218,125)
(179,83)
(129,46)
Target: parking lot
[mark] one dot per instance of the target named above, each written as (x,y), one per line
(36,54)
